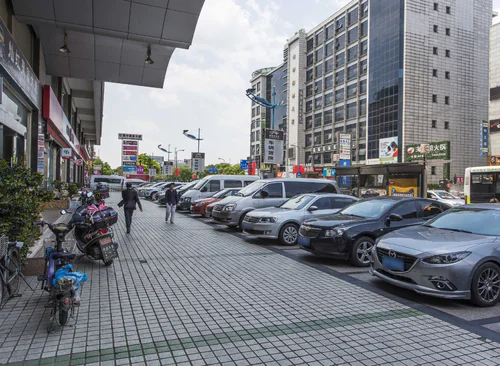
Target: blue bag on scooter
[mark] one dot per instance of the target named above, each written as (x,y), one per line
(67,271)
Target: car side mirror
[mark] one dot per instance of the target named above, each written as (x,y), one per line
(312,208)
(395,217)
(63,212)
(204,189)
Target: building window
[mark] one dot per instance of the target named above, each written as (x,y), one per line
(328,99)
(317,159)
(317,120)
(364,9)
(352,35)
(309,122)
(434,72)
(364,29)
(329,49)
(310,44)
(339,114)
(328,32)
(352,72)
(318,102)
(319,38)
(352,90)
(328,82)
(258,87)
(329,65)
(352,53)
(340,42)
(328,117)
(308,140)
(351,111)
(448,10)
(327,158)
(339,77)
(317,138)
(310,60)
(446,125)
(434,123)
(309,106)
(435,50)
(448,31)
(435,28)
(448,53)
(327,136)
(436,6)
(318,71)
(340,59)
(363,67)
(308,157)
(433,170)
(319,54)
(362,86)
(352,16)
(318,87)
(309,90)
(362,107)
(434,98)
(339,95)
(309,75)
(363,48)
(447,74)
(446,100)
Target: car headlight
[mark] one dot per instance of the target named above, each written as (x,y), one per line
(446,258)
(268,219)
(199,204)
(331,233)
(187,199)
(229,207)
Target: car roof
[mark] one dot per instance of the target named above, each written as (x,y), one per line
(324,194)
(303,180)
(488,206)
(393,198)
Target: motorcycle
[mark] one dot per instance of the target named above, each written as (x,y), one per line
(92,230)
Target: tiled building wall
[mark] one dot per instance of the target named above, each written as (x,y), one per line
(446,77)
(494,112)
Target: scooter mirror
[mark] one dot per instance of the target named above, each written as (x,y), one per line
(89,194)
(63,212)
(80,192)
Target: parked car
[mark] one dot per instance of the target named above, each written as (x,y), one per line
(445,197)
(161,194)
(351,233)
(267,193)
(142,192)
(454,256)
(282,222)
(114,182)
(209,209)
(200,206)
(214,183)
(152,191)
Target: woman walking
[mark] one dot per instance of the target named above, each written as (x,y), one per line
(130,199)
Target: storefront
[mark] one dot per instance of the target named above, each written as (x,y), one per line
(65,156)
(20,102)
(404,180)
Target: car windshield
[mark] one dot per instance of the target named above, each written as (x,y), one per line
(473,220)
(446,195)
(220,193)
(297,203)
(368,209)
(200,184)
(251,188)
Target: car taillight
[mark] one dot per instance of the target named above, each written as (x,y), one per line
(103,231)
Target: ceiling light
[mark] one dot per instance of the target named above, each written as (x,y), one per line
(149,60)
(64,48)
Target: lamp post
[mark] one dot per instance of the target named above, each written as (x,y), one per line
(192,137)
(166,151)
(224,160)
(177,151)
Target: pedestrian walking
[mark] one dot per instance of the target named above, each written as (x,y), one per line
(494,200)
(172,200)
(130,199)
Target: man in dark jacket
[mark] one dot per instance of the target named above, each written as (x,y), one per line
(130,200)
(172,200)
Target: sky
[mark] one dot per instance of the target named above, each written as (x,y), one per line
(205,85)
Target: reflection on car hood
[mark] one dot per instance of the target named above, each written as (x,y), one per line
(208,200)
(335,220)
(231,199)
(452,201)
(417,240)
(273,212)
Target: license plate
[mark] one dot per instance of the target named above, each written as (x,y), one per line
(105,241)
(304,241)
(394,264)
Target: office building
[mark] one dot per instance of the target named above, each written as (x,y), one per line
(494,113)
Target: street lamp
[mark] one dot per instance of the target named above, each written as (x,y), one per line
(175,152)
(224,160)
(165,150)
(250,93)
(193,137)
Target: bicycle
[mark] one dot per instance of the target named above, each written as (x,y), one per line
(10,269)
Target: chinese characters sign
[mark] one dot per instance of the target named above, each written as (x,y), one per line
(16,65)
(197,162)
(273,146)
(485,134)
(130,152)
(431,151)
(345,146)
(129,136)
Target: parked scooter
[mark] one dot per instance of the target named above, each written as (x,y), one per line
(93,233)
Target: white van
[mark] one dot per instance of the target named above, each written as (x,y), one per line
(214,183)
(135,182)
(114,182)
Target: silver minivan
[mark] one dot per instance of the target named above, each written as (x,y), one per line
(267,193)
(214,183)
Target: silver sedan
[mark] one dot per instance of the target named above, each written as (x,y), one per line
(454,256)
(283,222)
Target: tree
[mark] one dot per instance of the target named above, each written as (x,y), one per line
(106,168)
(186,174)
(147,162)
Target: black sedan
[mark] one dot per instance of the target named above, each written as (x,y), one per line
(351,233)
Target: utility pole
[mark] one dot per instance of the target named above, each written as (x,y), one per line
(199,131)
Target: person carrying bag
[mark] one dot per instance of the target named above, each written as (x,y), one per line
(130,199)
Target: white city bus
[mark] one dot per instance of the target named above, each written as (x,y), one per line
(481,184)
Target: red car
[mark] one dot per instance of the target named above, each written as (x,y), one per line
(200,206)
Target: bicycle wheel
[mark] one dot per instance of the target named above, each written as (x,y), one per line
(2,289)
(14,270)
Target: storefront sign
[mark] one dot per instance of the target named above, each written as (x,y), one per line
(129,169)
(243,164)
(485,135)
(197,162)
(459,180)
(130,153)
(345,146)
(273,146)
(129,136)
(431,151)
(15,64)
(129,158)
(140,169)
(328,172)
(388,150)
(168,168)
(79,162)
(403,187)
(66,153)
(494,126)
(40,168)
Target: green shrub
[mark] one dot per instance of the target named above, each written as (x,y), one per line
(20,203)
(72,189)
(433,186)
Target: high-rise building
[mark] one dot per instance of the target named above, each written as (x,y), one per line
(494,115)
(414,71)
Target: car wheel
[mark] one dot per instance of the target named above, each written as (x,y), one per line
(485,289)
(289,234)
(361,252)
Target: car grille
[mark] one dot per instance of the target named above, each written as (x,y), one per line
(408,260)
(209,209)
(396,277)
(251,219)
(218,208)
(311,233)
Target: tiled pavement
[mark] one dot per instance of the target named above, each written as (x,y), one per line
(188,294)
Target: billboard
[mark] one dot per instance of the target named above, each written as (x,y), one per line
(273,146)
(197,162)
(388,150)
(130,152)
(345,146)
(485,134)
(433,151)
(129,136)
(494,126)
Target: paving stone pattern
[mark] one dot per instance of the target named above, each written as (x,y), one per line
(189,294)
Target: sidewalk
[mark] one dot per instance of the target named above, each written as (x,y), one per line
(189,294)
